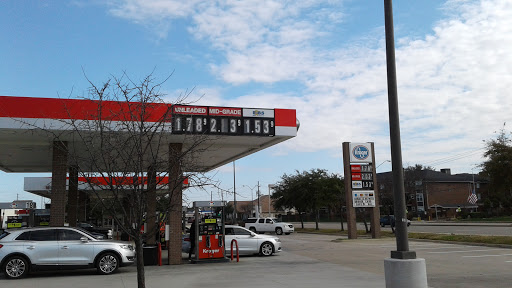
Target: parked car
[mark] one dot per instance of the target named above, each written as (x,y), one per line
(107,232)
(248,242)
(390,220)
(262,225)
(28,249)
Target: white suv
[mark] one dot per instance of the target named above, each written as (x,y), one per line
(22,250)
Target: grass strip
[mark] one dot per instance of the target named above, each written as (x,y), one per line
(506,240)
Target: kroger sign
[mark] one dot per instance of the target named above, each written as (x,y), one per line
(360,152)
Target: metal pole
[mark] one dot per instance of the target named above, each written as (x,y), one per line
(259,199)
(234,195)
(270,186)
(402,242)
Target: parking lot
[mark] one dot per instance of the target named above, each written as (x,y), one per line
(307,260)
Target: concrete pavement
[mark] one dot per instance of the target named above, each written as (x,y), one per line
(284,269)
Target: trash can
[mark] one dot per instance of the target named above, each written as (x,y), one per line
(150,255)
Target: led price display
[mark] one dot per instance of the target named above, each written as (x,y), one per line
(366,168)
(367,185)
(222,121)
(366,176)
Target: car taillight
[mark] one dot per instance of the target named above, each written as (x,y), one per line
(1,245)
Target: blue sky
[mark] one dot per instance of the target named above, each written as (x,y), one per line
(324,58)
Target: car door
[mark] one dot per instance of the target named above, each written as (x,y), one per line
(72,250)
(262,227)
(269,225)
(42,247)
(247,244)
(229,235)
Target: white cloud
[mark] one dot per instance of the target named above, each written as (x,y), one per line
(155,14)
(453,84)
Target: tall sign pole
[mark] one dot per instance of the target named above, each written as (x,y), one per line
(403,269)
(360,185)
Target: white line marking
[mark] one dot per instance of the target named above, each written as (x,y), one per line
(462,251)
(479,256)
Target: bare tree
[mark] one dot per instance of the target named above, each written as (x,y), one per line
(122,148)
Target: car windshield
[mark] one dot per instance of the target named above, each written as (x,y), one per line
(275,220)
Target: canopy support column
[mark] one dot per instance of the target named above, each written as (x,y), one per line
(175,207)
(73,196)
(59,173)
(151,207)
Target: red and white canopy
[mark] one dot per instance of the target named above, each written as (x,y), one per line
(232,132)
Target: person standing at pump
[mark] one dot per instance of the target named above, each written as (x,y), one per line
(192,237)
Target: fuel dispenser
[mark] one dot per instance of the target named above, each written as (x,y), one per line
(210,231)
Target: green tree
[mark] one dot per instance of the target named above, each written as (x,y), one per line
(498,169)
(308,191)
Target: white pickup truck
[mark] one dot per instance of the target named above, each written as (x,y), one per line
(262,225)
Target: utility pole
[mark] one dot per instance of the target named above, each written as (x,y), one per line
(270,186)
(258,198)
(234,195)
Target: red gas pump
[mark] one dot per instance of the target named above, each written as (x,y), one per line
(209,231)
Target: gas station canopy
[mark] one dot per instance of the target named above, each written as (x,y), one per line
(28,127)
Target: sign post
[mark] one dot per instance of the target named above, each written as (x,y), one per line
(360,185)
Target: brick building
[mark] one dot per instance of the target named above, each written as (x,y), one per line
(434,194)
(246,209)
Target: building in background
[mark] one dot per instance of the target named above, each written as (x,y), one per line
(432,195)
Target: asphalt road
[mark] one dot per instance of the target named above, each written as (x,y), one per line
(448,265)
(307,260)
(497,229)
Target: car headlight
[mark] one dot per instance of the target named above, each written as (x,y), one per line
(126,246)
(278,240)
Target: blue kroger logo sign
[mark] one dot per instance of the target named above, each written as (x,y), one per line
(360,152)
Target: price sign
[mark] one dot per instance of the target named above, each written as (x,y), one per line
(366,168)
(222,121)
(367,185)
(366,176)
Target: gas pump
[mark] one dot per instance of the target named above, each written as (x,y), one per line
(210,229)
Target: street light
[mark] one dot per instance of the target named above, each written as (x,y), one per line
(382,163)
(252,198)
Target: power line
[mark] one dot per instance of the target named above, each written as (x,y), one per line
(454,157)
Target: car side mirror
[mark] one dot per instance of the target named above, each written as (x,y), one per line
(253,234)
(84,239)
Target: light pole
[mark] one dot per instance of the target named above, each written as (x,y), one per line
(252,198)
(270,186)
(415,272)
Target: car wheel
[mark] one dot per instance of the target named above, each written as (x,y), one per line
(279,231)
(16,267)
(267,249)
(107,263)
(253,229)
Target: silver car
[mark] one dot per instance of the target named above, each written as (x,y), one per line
(23,250)
(248,242)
